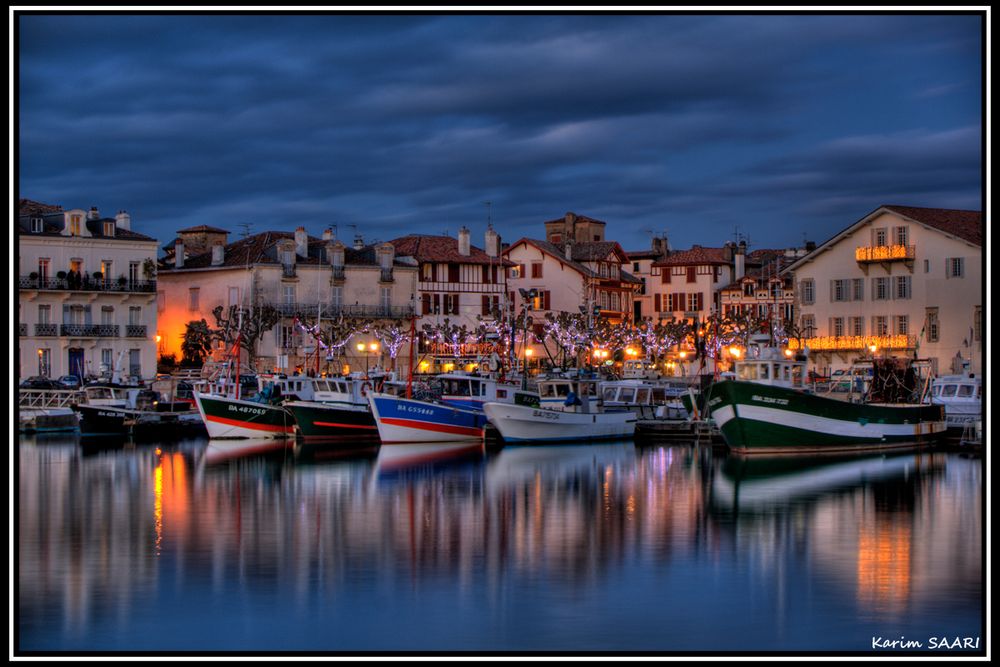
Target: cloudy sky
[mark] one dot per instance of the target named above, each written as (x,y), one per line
(779,127)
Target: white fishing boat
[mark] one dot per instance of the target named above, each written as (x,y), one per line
(575,421)
(962,398)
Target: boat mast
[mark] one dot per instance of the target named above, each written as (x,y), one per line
(409,380)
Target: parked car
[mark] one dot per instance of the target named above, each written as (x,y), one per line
(40,382)
(70,381)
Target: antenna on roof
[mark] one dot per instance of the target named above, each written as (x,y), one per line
(246,228)
(489,213)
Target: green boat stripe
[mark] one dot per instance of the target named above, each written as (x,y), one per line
(815,423)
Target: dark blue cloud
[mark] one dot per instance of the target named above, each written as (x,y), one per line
(690,124)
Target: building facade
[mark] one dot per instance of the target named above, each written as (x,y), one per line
(86,294)
(307,279)
(905,280)
(459,283)
(641,267)
(585,277)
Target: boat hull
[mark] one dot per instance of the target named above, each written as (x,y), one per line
(329,423)
(762,418)
(237,418)
(519,423)
(112,421)
(401,420)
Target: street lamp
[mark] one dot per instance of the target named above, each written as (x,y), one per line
(527,297)
(365,349)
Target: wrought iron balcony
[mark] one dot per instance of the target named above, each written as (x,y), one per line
(326,310)
(46,330)
(885,253)
(22,329)
(86,284)
(385,276)
(857,343)
(288,271)
(135,330)
(81,330)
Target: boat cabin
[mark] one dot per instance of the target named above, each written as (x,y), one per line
(957,389)
(569,394)
(765,364)
(640,369)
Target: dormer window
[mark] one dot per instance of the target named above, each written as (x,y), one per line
(74,225)
(109,228)
(36,226)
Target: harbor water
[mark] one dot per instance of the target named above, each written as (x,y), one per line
(624,547)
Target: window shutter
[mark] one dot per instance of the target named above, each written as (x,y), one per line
(546,295)
(486,304)
(656,302)
(454,304)
(665,275)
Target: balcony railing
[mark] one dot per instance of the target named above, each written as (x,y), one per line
(82,330)
(135,330)
(337,273)
(86,285)
(857,343)
(22,329)
(326,310)
(46,330)
(288,271)
(885,253)
(385,276)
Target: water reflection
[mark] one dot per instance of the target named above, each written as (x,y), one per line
(564,547)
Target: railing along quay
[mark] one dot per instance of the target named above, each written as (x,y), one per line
(48,398)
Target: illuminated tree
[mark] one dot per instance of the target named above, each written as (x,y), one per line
(246,325)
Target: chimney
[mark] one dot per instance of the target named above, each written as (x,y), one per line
(464,247)
(179,254)
(359,241)
(335,254)
(740,260)
(218,253)
(492,243)
(386,253)
(123,220)
(93,214)
(301,242)
(660,246)
(569,231)
(327,234)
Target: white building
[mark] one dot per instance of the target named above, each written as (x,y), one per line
(907,280)
(641,267)
(86,293)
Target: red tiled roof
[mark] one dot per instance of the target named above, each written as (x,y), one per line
(697,255)
(30,207)
(579,218)
(441,249)
(202,228)
(966,225)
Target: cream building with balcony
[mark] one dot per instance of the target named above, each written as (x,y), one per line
(86,293)
(313,278)
(907,280)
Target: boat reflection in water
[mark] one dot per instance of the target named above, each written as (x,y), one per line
(397,459)
(755,483)
(516,466)
(223,451)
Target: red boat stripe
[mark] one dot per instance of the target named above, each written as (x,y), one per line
(438,428)
(362,426)
(251,425)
